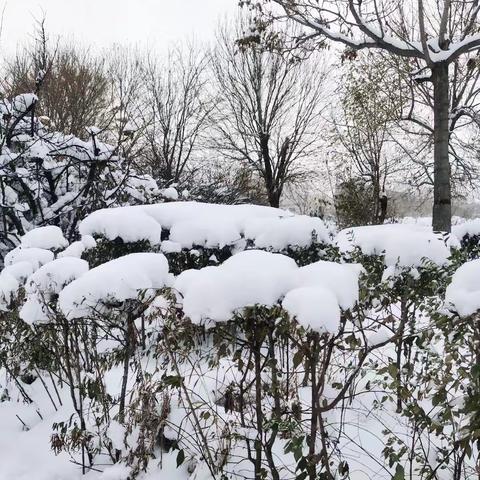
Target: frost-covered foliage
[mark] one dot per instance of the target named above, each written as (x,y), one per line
(119,362)
(48,178)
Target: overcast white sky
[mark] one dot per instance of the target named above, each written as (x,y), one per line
(102,22)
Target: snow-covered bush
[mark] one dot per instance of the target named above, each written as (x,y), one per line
(263,363)
(48,178)
(194,234)
(468,233)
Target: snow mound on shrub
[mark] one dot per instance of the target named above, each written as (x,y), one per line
(36,257)
(115,281)
(46,282)
(246,279)
(49,238)
(11,278)
(469,227)
(77,248)
(52,277)
(170,193)
(341,279)
(315,307)
(277,233)
(255,277)
(21,103)
(20,271)
(131,224)
(9,286)
(205,225)
(463,293)
(403,245)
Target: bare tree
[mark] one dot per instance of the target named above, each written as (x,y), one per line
(124,125)
(432,34)
(413,132)
(74,93)
(176,108)
(268,110)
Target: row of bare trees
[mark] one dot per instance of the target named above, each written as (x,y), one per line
(255,115)
(251,114)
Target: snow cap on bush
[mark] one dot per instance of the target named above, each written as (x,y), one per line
(115,281)
(463,293)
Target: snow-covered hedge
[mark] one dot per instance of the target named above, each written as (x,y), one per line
(248,365)
(49,178)
(195,234)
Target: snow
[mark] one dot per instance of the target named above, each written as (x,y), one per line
(314,307)
(403,245)
(118,471)
(469,227)
(463,293)
(118,280)
(46,282)
(196,224)
(11,278)
(9,285)
(204,232)
(314,295)
(168,246)
(256,277)
(21,103)
(246,279)
(20,271)
(170,193)
(53,276)
(36,257)
(276,233)
(93,130)
(341,279)
(76,249)
(49,238)
(130,224)
(371,34)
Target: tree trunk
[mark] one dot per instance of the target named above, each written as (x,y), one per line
(274,197)
(442,206)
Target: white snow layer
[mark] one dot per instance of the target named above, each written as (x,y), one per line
(170,193)
(77,248)
(403,245)
(49,238)
(46,282)
(206,225)
(315,307)
(21,103)
(256,277)
(278,233)
(115,281)
(11,278)
(36,257)
(469,227)
(463,293)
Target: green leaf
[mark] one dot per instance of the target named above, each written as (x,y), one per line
(393,370)
(298,358)
(180,457)
(399,473)
(343,468)
(173,381)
